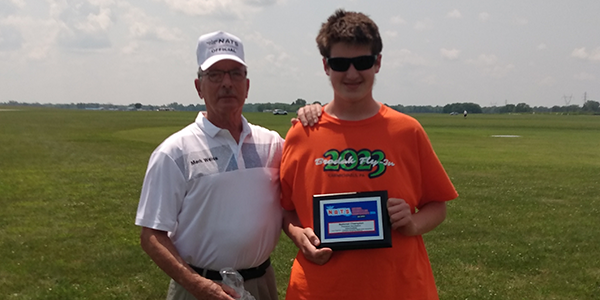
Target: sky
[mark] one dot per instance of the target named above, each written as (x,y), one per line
(539,52)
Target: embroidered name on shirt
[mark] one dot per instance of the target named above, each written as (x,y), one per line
(204,160)
(365,160)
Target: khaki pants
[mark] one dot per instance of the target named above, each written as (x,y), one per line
(262,288)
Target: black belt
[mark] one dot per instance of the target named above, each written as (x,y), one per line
(248,274)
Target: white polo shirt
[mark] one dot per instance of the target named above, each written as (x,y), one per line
(218,200)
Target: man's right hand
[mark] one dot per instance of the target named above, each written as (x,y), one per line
(215,291)
(308,246)
(162,251)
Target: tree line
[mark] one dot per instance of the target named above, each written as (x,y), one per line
(589,107)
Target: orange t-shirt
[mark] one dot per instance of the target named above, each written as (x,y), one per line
(389,151)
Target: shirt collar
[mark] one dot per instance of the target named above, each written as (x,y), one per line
(211,130)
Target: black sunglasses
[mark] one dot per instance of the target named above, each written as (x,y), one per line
(342,64)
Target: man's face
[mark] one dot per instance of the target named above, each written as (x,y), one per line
(227,95)
(352,85)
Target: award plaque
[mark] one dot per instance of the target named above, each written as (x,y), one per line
(356,220)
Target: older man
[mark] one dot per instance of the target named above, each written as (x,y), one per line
(210,198)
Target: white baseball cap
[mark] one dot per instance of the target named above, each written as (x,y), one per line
(217,46)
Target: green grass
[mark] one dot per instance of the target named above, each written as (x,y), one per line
(526,224)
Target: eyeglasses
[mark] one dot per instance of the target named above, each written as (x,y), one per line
(342,64)
(217,76)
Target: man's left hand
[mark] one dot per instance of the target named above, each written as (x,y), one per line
(308,115)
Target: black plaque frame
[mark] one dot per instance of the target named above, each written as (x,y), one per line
(353,240)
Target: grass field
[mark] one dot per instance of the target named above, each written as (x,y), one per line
(526,224)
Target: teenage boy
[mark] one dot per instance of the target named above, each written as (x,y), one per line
(361,145)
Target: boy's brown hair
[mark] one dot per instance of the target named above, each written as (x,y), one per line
(348,27)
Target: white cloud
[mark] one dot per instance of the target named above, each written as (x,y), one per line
(148,31)
(279,62)
(547,81)
(484,16)
(260,2)
(10,38)
(390,33)
(455,14)
(490,65)
(83,24)
(144,27)
(424,25)
(484,60)
(450,54)
(130,48)
(583,76)
(594,55)
(262,41)
(8,8)
(73,39)
(93,23)
(18,3)
(397,20)
(35,37)
(582,53)
(499,71)
(236,9)
(102,2)
(520,21)
(121,39)
(429,79)
(402,57)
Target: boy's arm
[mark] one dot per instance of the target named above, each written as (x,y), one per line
(426,219)
(305,239)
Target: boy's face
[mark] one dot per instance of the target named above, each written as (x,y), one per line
(352,85)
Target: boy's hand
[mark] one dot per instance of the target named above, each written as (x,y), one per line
(308,246)
(401,217)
